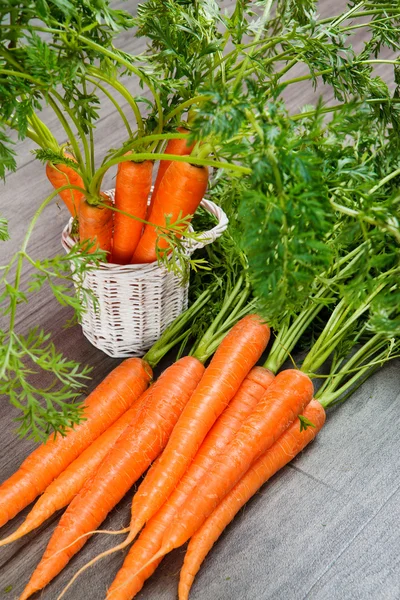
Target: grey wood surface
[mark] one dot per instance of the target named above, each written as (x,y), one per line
(325,528)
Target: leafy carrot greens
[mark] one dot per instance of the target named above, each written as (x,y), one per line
(312,196)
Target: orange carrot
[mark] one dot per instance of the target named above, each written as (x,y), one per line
(134,451)
(232,361)
(277,456)
(177,147)
(132,189)
(59,175)
(234,358)
(126,585)
(283,401)
(180,193)
(119,390)
(66,486)
(96,225)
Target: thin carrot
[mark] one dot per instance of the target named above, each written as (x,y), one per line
(126,585)
(132,189)
(112,397)
(134,451)
(66,486)
(59,175)
(284,400)
(177,147)
(96,225)
(232,361)
(291,442)
(180,193)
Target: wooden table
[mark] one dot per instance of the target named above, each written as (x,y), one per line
(325,528)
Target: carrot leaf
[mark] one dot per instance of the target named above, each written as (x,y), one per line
(305,423)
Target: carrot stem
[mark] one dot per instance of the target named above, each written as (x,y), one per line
(43,132)
(229,299)
(220,326)
(290,332)
(169,338)
(115,103)
(123,61)
(124,93)
(82,135)
(371,355)
(184,105)
(71,138)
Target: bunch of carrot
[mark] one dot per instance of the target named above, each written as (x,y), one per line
(212,435)
(127,231)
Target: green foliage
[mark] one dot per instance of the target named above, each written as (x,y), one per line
(47,409)
(7,155)
(305,423)
(46,155)
(39,381)
(4,235)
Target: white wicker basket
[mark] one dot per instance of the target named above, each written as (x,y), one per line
(136,302)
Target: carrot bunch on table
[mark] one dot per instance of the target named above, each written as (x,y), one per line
(212,435)
(129,231)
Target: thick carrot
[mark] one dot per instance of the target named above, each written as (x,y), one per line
(180,193)
(234,358)
(134,451)
(284,400)
(119,390)
(177,147)
(59,175)
(291,442)
(66,486)
(132,189)
(126,585)
(96,225)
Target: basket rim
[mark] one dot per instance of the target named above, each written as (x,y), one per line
(207,237)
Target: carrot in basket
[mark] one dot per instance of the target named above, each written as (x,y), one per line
(284,400)
(134,451)
(232,361)
(177,147)
(132,189)
(275,458)
(112,397)
(59,175)
(65,487)
(96,225)
(181,190)
(126,585)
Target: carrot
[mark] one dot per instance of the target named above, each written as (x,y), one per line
(180,193)
(177,147)
(134,451)
(96,225)
(285,398)
(65,487)
(119,390)
(132,189)
(126,585)
(234,358)
(59,175)
(291,442)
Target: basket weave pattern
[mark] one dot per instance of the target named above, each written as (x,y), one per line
(136,302)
